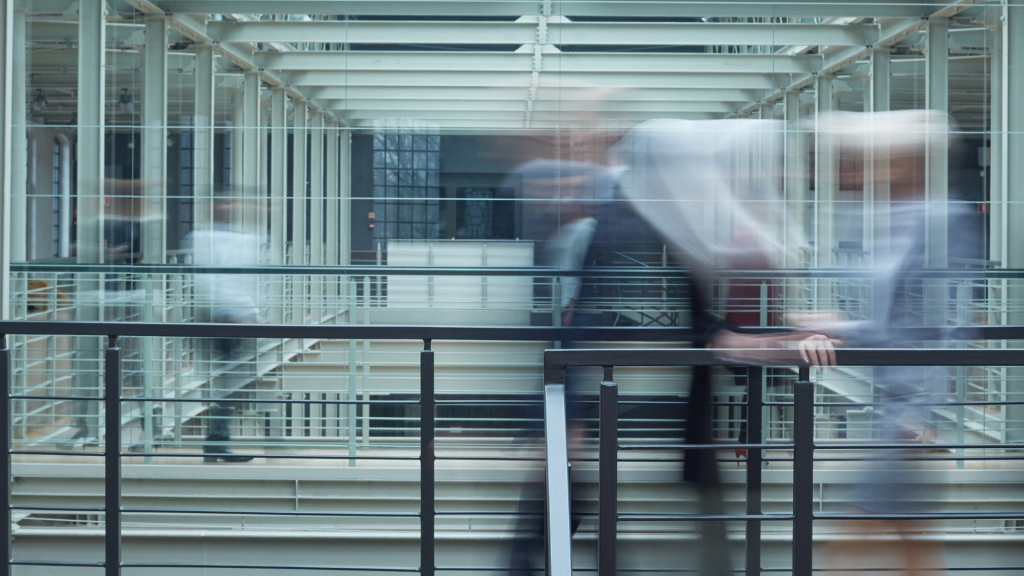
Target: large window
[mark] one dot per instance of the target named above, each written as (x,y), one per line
(55,200)
(406,185)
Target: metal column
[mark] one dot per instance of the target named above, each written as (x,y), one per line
(89,232)
(937,166)
(316,212)
(796,179)
(278,196)
(1013,183)
(333,234)
(251,148)
(7,49)
(826,183)
(19,160)
(238,153)
(299,137)
(112,459)
(803,475)
(203,122)
(427,460)
(877,162)
(154,142)
(154,198)
(608,480)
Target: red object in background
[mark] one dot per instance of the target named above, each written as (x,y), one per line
(371,226)
(982,207)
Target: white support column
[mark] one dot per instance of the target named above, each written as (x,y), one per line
(251,148)
(154,199)
(202,183)
(278,193)
(19,163)
(937,159)
(316,213)
(92,121)
(936,299)
(345,213)
(766,111)
(154,142)
(333,235)
(997,170)
(1013,170)
(876,164)
(825,177)
(7,49)
(237,152)
(345,192)
(300,122)
(797,209)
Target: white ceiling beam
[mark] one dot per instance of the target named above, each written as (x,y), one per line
(609,8)
(400,107)
(553,62)
(524,31)
(506,79)
(504,116)
(563,94)
(195,30)
(836,59)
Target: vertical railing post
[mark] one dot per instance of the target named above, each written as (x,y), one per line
(112,457)
(755,405)
(608,469)
(353,394)
(427,460)
(803,474)
(5,461)
(559,538)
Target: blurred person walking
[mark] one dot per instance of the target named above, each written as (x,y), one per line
(228,298)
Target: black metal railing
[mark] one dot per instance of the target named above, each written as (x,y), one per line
(112,452)
(555,363)
(803,447)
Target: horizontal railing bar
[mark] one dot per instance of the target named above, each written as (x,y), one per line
(265,401)
(31,397)
(59,509)
(703,446)
(347,331)
(669,357)
(630,272)
(269,567)
(914,458)
(1001,515)
(938,570)
(701,517)
(862,404)
(289,456)
(489,333)
(881,446)
(55,453)
(56,563)
(486,513)
(266,512)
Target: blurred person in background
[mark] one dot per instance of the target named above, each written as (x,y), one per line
(231,299)
(686,179)
(680,179)
(900,143)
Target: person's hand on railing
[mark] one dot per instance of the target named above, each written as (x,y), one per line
(759,349)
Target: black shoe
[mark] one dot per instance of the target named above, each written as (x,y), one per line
(224,453)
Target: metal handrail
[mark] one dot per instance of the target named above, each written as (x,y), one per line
(637,272)
(554,367)
(803,516)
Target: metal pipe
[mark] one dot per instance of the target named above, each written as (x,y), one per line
(608,470)
(112,458)
(427,460)
(803,474)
